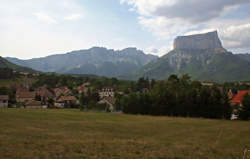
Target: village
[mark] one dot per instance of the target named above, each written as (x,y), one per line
(105,98)
(61,97)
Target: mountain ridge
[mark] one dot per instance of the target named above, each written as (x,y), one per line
(7,64)
(96,60)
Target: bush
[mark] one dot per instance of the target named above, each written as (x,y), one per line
(244,112)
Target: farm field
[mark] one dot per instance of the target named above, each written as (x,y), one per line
(71,134)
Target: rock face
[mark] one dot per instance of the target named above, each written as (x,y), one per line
(202,57)
(198,42)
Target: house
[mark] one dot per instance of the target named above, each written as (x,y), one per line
(62,91)
(107,92)
(237,100)
(83,88)
(25,96)
(4,100)
(44,93)
(110,101)
(65,101)
(35,104)
(58,92)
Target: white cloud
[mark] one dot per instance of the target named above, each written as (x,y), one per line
(73,17)
(158,51)
(28,28)
(165,29)
(45,18)
(188,10)
(237,36)
(166,19)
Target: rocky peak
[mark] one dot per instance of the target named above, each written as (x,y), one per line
(208,40)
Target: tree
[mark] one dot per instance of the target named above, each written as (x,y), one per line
(50,103)
(3,91)
(6,73)
(152,84)
(173,79)
(244,112)
(142,83)
(83,99)
(38,97)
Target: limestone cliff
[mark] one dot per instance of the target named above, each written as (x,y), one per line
(198,42)
(202,57)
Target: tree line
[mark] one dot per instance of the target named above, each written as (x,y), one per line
(177,96)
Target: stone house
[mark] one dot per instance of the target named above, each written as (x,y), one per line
(65,101)
(44,93)
(107,92)
(110,101)
(25,96)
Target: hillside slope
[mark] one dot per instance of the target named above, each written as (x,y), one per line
(6,64)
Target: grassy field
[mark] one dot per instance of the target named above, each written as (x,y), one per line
(71,134)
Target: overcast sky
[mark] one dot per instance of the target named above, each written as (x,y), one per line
(37,28)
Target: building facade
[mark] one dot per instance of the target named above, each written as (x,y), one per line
(107,92)
(4,101)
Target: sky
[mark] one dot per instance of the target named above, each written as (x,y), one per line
(38,28)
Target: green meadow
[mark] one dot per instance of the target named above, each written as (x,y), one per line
(72,134)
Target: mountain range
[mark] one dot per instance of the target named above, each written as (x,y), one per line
(97,60)
(202,56)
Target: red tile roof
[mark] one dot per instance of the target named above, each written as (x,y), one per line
(25,94)
(61,90)
(239,96)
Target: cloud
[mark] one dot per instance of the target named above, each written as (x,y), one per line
(163,28)
(73,17)
(166,19)
(237,36)
(45,18)
(27,26)
(158,51)
(194,11)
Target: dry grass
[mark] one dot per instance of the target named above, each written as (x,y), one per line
(71,134)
